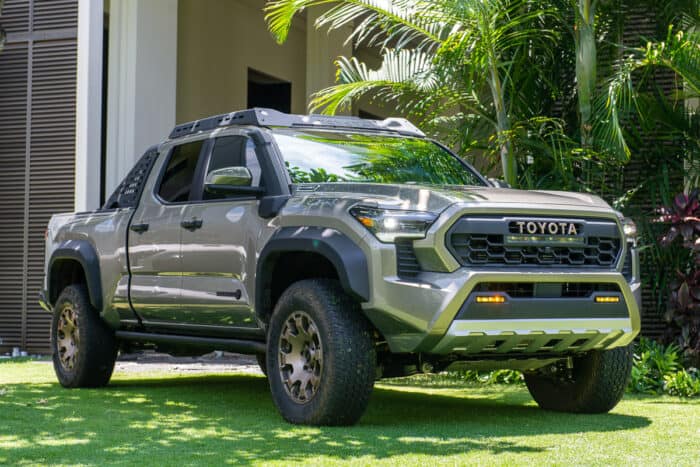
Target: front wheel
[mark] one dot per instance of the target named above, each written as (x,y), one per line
(84,347)
(321,358)
(595,384)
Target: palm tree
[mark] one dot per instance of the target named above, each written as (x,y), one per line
(628,93)
(448,62)
(586,66)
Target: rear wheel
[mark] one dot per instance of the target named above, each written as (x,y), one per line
(84,347)
(595,383)
(321,358)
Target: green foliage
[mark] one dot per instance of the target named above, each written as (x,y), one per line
(519,82)
(658,370)
(468,64)
(680,52)
(683,383)
(490,377)
(652,363)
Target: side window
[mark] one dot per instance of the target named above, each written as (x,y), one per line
(234,151)
(177,180)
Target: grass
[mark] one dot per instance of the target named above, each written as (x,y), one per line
(167,419)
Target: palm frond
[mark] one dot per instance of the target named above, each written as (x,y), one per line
(375,22)
(679,53)
(405,74)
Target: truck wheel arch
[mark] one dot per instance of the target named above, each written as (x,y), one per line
(345,256)
(82,253)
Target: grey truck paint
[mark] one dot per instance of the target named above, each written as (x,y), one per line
(204,281)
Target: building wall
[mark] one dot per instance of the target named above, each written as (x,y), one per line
(37,155)
(218,40)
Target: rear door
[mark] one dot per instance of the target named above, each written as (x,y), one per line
(219,249)
(154,236)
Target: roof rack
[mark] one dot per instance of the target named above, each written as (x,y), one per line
(270,117)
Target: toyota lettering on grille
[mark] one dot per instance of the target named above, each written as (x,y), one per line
(544,228)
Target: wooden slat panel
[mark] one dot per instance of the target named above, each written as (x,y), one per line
(15,16)
(55,14)
(13,115)
(44,69)
(52,165)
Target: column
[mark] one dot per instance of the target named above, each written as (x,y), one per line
(142,81)
(322,49)
(88,105)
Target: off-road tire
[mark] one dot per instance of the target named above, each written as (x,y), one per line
(596,384)
(96,345)
(348,354)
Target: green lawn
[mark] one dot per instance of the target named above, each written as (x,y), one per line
(217,419)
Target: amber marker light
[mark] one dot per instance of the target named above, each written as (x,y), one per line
(491,299)
(607,299)
(366,221)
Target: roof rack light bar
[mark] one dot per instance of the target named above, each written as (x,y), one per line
(270,118)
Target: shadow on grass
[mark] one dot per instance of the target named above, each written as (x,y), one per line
(216,419)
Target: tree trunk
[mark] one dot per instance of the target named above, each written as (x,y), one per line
(510,168)
(586,66)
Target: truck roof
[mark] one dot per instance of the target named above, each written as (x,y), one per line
(273,118)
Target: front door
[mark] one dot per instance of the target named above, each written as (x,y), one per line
(219,247)
(155,235)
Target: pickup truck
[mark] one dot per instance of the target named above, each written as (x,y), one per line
(340,251)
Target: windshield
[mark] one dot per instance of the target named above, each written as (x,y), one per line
(331,156)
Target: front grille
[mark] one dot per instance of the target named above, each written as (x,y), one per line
(482,242)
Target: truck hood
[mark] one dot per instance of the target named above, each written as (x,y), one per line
(438,198)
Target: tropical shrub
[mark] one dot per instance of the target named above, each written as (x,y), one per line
(683,383)
(657,370)
(683,313)
(652,363)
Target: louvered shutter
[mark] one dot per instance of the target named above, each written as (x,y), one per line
(13,126)
(37,155)
(52,164)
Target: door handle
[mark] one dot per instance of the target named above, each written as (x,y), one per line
(138,228)
(192,224)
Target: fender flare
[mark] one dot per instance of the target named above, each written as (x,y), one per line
(84,253)
(347,258)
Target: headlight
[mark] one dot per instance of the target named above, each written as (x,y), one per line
(630,229)
(389,224)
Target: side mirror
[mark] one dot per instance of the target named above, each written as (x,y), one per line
(236,176)
(231,180)
(499,183)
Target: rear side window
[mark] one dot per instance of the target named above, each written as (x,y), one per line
(176,184)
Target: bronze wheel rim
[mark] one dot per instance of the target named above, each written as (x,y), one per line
(67,337)
(300,357)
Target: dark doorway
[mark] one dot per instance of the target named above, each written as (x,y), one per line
(267,91)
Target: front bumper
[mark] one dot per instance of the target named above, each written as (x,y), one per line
(428,315)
